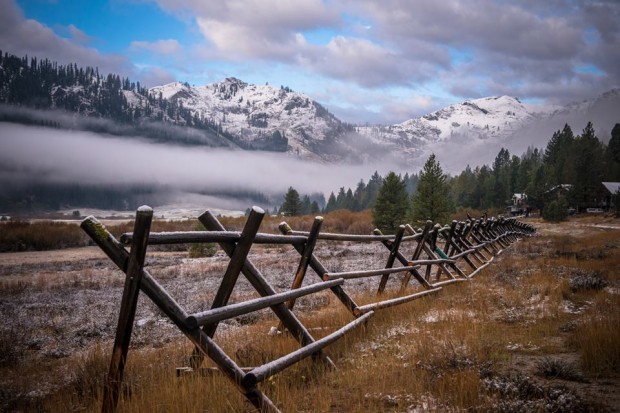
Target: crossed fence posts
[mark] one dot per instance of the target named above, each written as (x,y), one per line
(459,251)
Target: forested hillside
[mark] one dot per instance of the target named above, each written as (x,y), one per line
(42,84)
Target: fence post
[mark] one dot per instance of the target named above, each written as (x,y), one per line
(142,227)
(305,256)
(392,257)
(405,262)
(253,275)
(320,270)
(232,274)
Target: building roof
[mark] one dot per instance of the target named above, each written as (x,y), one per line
(563,187)
(612,187)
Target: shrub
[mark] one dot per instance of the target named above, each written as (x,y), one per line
(560,369)
(40,236)
(586,280)
(556,211)
(200,250)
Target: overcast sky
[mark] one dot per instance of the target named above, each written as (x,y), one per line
(380,61)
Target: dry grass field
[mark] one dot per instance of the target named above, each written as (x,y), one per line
(538,330)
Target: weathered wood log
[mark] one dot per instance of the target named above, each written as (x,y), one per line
(326,236)
(306,255)
(129,301)
(462,254)
(319,269)
(392,257)
(237,259)
(119,256)
(233,310)
(207,371)
(115,251)
(428,247)
(461,250)
(482,267)
(405,262)
(254,276)
(447,236)
(418,250)
(464,244)
(192,237)
(261,373)
(422,241)
(396,301)
(347,275)
(449,281)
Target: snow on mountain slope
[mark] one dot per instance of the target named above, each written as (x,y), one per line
(260,112)
(481,119)
(279,119)
(474,131)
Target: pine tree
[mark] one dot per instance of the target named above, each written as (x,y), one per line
(292,205)
(431,199)
(558,155)
(588,166)
(463,187)
(372,189)
(331,203)
(314,208)
(612,154)
(390,208)
(613,148)
(501,172)
(341,199)
(359,196)
(305,205)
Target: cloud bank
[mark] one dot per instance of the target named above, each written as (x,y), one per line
(61,156)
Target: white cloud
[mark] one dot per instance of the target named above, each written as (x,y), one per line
(21,36)
(239,29)
(162,47)
(78,35)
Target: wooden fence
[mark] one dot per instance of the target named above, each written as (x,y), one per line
(439,256)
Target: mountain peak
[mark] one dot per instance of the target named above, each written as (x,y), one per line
(229,87)
(171,90)
(233,81)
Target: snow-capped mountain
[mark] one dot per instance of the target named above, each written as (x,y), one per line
(479,119)
(235,114)
(269,118)
(263,116)
(474,130)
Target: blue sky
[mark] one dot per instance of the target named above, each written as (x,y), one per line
(367,61)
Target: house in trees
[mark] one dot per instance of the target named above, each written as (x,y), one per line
(559,192)
(519,205)
(599,199)
(611,195)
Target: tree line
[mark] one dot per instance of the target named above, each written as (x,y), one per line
(44,84)
(578,163)
(360,199)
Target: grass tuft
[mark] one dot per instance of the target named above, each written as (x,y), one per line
(556,368)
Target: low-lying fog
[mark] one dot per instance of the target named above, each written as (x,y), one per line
(47,155)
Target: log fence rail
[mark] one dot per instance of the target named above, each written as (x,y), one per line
(457,252)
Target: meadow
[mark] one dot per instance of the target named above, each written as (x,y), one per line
(537,330)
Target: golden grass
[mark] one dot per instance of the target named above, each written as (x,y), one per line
(23,236)
(598,339)
(437,353)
